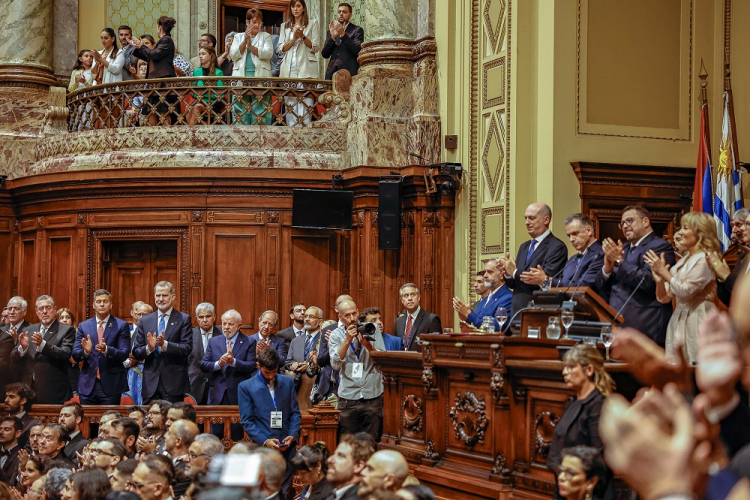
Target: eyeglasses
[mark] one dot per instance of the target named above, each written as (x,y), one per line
(628,222)
(137,486)
(310,316)
(193,455)
(564,473)
(96,452)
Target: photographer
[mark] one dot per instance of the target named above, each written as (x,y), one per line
(361,384)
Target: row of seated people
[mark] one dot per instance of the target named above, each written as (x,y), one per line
(294,53)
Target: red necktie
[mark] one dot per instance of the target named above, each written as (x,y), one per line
(100,335)
(407,333)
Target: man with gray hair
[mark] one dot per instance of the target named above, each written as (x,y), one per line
(42,354)
(738,224)
(416,320)
(266,337)
(499,296)
(229,359)
(164,341)
(301,363)
(205,314)
(272,469)
(202,450)
(583,267)
(16,309)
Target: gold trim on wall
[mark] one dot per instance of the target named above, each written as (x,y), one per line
(497,249)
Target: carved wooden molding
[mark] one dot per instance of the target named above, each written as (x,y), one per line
(428,378)
(412,407)
(430,453)
(544,430)
(497,386)
(469,418)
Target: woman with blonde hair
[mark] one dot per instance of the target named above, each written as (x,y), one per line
(583,373)
(691,283)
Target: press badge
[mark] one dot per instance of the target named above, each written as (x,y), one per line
(357,369)
(276,419)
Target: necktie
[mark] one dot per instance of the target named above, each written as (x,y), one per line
(308,341)
(162,327)
(100,336)
(532,246)
(205,340)
(407,333)
(14,334)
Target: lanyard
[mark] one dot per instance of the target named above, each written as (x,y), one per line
(272,394)
(356,352)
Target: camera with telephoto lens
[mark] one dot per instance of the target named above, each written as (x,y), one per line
(367,330)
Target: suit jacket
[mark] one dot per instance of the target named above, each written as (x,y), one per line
(256,405)
(584,272)
(426,322)
(171,365)
(643,312)
(351,494)
(28,422)
(113,376)
(320,491)
(324,362)
(288,335)
(160,59)
(198,378)
(307,59)
(9,470)
(487,306)
(550,253)
(393,343)
(76,444)
(297,349)
(343,55)
(228,378)
(47,369)
(724,288)
(262,61)
(276,343)
(6,348)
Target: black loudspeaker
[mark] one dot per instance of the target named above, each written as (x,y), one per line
(389,215)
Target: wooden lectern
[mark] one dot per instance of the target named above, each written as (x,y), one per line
(591,310)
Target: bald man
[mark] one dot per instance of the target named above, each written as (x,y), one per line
(543,255)
(385,470)
(328,378)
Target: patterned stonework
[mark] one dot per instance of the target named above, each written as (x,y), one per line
(141,15)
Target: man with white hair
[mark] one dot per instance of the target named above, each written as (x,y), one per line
(205,314)
(229,359)
(16,310)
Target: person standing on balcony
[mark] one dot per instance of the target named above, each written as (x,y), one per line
(251,52)
(299,42)
(81,77)
(343,43)
(160,65)
(108,68)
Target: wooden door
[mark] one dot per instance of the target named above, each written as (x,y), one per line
(132,268)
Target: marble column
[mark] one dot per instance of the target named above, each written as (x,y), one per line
(26,43)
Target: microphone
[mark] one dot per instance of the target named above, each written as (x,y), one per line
(514,317)
(626,302)
(556,276)
(415,155)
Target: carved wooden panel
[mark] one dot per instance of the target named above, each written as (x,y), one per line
(311,265)
(60,270)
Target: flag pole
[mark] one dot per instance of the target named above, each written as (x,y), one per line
(732,122)
(704,103)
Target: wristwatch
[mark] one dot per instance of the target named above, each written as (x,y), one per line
(304,38)
(618,262)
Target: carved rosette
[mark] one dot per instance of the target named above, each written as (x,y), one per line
(497,386)
(81,219)
(469,418)
(544,430)
(412,407)
(197,216)
(273,217)
(428,378)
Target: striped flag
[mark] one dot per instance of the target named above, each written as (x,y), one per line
(703,193)
(728,195)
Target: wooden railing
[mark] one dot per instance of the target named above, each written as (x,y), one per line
(318,424)
(212,100)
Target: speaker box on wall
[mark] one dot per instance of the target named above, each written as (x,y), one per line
(389,215)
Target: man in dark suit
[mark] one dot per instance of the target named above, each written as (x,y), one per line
(726,278)
(297,328)
(43,353)
(16,310)
(71,416)
(301,359)
(343,43)
(416,320)
(265,337)
(18,398)
(229,360)
(205,313)
(11,429)
(102,344)
(328,378)
(499,296)
(52,445)
(582,268)
(164,340)
(138,310)
(624,271)
(346,464)
(542,252)
(269,411)
(372,315)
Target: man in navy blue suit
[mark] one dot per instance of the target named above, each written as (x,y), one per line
(543,252)
(265,337)
(624,270)
(229,359)
(269,411)
(372,315)
(164,340)
(583,267)
(499,296)
(103,344)
(416,320)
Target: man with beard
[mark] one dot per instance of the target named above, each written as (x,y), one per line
(386,470)
(499,296)
(178,439)
(180,411)
(126,430)
(301,360)
(107,453)
(205,314)
(153,438)
(54,439)
(71,416)
(416,320)
(345,466)
(202,450)
(164,340)
(343,43)
(10,430)
(18,398)
(129,69)
(297,328)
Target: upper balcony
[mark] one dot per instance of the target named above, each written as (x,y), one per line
(199,122)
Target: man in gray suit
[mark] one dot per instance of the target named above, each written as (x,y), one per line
(205,313)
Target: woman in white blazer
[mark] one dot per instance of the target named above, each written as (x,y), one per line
(299,44)
(107,68)
(251,52)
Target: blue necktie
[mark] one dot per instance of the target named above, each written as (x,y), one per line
(162,327)
(532,246)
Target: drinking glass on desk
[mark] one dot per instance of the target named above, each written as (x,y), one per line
(607,339)
(501,314)
(447,330)
(553,328)
(567,319)
(488,324)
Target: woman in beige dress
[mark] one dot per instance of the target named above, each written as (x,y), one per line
(691,283)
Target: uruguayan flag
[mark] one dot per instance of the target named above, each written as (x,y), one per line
(728,195)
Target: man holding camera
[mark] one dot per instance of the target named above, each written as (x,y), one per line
(361,383)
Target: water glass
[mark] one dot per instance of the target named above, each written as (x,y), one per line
(447,330)
(607,339)
(567,319)
(501,314)
(553,328)
(488,324)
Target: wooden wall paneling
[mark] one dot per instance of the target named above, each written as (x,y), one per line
(271,269)
(80,266)
(197,230)
(27,272)
(312,265)
(7,244)
(59,268)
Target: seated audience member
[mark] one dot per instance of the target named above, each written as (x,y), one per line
(251,53)
(583,267)
(126,430)
(71,416)
(385,470)
(690,283)
(11,429)
(178,440)
(138,414)
(206,40)
(297,328)
(105,421)
(36,491)
(109,453)
(581,474)
(153,478)
(265,337)
(310,464)
(181,64)
(738,225)
(225,60)
(584,373)
(416,321)
(372,315)
(32,469)
(56,478)
(88,484)
(301,363)
(152,436)
(123,474)
(180,411)
(18,398)
(415,492)
(343,43)
(160,59)
(208,67)
(481,290)
(82,77)
(499,295)
(205,316)
(202,450)
(346,464)
(35,437)
(4,318)
(273,471)
(271,422)
(726,277)
(54,439)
